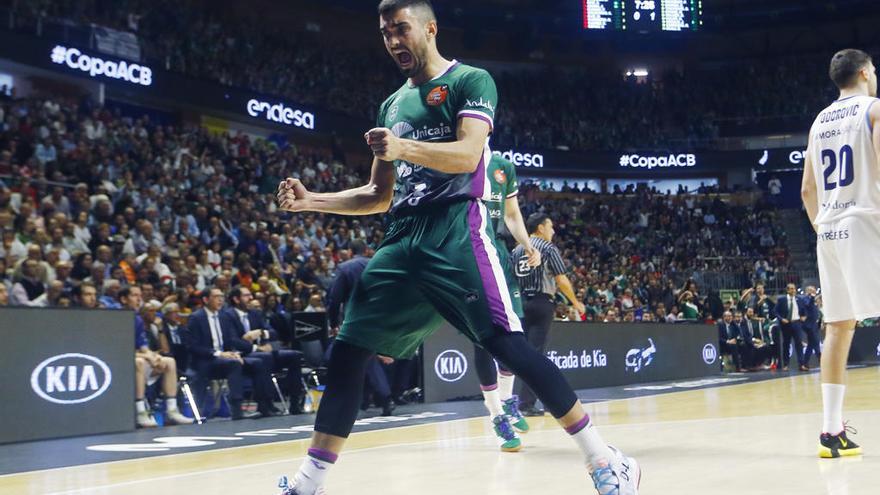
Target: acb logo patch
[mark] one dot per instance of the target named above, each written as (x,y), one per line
(500,176)
(437,95)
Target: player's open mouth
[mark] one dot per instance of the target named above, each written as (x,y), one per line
(404,59)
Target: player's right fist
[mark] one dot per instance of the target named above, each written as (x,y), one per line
(292,195)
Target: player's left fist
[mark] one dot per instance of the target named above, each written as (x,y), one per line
(384,144)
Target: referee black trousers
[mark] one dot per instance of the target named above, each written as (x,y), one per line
(539,311)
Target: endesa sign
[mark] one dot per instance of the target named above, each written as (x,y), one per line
(535,160)
(280,113)
(119,70)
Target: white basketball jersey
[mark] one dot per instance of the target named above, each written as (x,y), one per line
(844,161)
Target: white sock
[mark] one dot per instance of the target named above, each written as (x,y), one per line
(505,386)
(832,407)
(171,404)
(313,471)
(140,406)
(591,444)
(493,402)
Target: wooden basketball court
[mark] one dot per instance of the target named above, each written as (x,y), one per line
(754,438)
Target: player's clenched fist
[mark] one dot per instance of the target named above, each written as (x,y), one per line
(292,195)
(385,145)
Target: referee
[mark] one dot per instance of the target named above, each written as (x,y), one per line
(539,286)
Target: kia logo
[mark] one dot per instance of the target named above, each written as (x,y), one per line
(71,378)
(710,353)
(450,366)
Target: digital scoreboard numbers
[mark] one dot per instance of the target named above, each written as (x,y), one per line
(642,15)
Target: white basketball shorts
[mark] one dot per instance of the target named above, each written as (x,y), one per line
(849,268)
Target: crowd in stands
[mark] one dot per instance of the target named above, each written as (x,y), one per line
(577,109)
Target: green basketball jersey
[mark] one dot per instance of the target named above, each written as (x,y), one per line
(430,112)
(502,179)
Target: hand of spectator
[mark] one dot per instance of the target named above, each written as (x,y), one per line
(803,318)
(252,335)
(785,322)
(731,341)
(334,332)
(579,307)
(534,256)
(265,348)
(170,298)
(292,195)
(385,145)
(385,359)
(232,355)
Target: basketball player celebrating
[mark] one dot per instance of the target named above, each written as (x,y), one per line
(841,193)
(496,383)
(439,258)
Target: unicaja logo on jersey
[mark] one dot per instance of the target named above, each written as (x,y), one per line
(450,366)
(71,378)
(710,354)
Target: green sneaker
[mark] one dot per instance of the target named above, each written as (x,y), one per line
(511,409)
(510,442)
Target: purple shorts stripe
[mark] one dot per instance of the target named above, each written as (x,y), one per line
(488,388)
(323,455)
(490,285)
(479,178)
(580,425)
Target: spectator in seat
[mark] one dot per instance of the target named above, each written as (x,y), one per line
(173,334)
(212,348)
(86,296)
(28,288)
(250,326)
(4,295)
(149,367)
(753,350)
(728,339)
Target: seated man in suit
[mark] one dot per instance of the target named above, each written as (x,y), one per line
(791,313)
(213,352)
(753,349)
(250,326)
(728,337)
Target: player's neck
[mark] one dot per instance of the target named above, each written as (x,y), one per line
(436,66)
(856,91)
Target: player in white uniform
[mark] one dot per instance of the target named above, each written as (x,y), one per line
(841,193)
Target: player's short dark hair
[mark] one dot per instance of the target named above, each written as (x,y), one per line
(845,65)
(387,7)
(535,220)
(124,292)
(358,247)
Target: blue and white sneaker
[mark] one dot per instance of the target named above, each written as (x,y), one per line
(620,475)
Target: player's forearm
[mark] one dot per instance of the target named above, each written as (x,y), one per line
(811,204)
(514,221)
(456,157)
(364,200)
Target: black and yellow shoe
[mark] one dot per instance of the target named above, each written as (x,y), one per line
(833,446)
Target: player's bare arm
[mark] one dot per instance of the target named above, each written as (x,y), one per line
(374,197)
(514,221)
(457,157)
(874,115)
(809,191)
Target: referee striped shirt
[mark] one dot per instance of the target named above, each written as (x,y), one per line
(542,278)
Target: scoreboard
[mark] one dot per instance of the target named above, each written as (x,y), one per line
(642,15)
